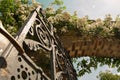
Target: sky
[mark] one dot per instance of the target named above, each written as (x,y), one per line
(95,73)
(94,9)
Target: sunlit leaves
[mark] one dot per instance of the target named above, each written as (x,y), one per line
(87,64)
(64,22)
(108,76)
(7,8)
(96,28)
(14,13)
(57,2)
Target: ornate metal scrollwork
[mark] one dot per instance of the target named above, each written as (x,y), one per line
(37,33)
(47,40)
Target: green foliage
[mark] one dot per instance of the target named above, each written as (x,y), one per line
(108,76)
(7,9)
(87,64)
(24,1)
(116,32)
(14,13)
(57,2)
(64,22)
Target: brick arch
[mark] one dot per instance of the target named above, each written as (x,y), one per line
(100,47)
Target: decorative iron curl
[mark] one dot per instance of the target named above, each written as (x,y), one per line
(64,64)
(42,34)
(62,68)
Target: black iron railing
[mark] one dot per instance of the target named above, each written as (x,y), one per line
(18,64)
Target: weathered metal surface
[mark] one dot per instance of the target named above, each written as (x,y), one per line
(15,63)
(3,40)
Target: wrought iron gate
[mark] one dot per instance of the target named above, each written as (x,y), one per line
(15,64)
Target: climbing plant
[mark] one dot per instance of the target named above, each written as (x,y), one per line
(108,76)
(13,14)
(64,23)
